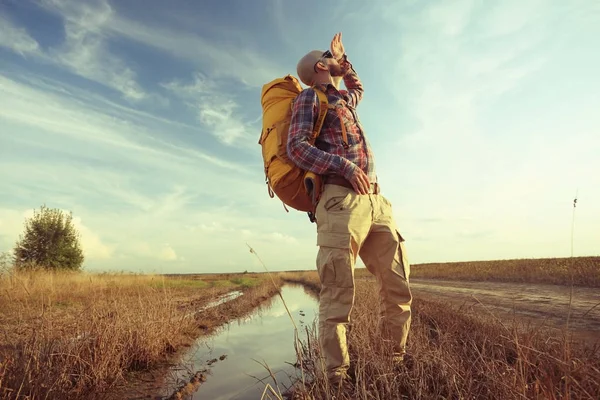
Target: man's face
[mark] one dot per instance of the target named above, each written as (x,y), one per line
(334,67)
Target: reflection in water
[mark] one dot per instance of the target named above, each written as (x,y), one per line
(267,336)
(223,299)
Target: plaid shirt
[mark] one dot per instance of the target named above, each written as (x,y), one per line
(329,156)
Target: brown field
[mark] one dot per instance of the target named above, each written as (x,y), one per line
(76,335)
(455,353)
(580,271)
(81,335)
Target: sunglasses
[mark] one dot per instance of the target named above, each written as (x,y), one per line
(326,54)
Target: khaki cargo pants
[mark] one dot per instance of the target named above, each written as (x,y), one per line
(351,225)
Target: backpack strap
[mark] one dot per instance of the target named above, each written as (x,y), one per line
(323,107)
(338,111)
(312,182)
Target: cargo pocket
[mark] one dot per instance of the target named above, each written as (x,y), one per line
(334,261)
(338,203)
(402,257)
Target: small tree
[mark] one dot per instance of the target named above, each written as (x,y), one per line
(50,241)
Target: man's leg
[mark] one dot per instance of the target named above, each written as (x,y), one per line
(335,304)
(343,220)
(384,254)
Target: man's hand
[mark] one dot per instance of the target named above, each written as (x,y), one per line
(337,48)
(360,181)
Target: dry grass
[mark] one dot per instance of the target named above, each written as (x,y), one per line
(584,271)
(77,335)
(308,279)
(72,335)
(455,353)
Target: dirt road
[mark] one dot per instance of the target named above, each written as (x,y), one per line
(538,304)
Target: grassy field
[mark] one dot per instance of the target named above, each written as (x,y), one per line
(581,271)
(454,353)
(73,335)
(77,335)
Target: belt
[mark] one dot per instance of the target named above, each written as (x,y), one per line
(341,181)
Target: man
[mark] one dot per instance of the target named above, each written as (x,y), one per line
(353,218)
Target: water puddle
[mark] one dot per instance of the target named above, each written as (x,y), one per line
(267,336)
(223,299)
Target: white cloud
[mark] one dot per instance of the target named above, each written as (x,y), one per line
(91,105)
(450,18)
(220,59)
(90,26)
(52,110)
(219,118)
(11,226)
(281,237)
(85,50)
(451,80)
(511,16)
(217,228)
(215,108)
(167,253)
(92,245)
(145,250)
(15,38)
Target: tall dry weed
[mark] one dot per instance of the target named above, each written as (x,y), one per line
(456,353)
(67,335)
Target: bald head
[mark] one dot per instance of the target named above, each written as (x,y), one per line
(306,67)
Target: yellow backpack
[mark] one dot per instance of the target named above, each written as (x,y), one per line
(295,187)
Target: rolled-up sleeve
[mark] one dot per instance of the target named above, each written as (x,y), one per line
(354,86)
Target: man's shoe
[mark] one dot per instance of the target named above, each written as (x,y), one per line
(403,360)
(343,387)
(342,384)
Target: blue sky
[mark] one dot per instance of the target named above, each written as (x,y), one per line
(142,118)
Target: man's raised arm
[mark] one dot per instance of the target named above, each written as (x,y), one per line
(352,83)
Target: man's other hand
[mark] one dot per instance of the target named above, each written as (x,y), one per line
(360,181)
